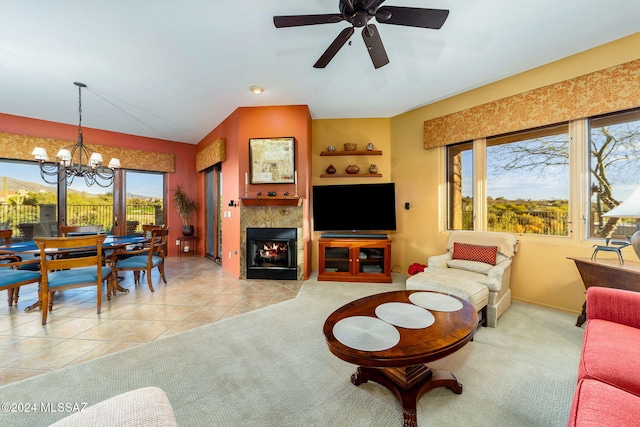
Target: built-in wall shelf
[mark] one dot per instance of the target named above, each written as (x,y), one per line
(351,175)
(352,153)
(271,201)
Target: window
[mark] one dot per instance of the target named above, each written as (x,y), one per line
(145,200)
(460,186)
(614,169)
(28,205)
(89,205)
(525,178)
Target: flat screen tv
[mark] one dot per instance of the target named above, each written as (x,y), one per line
(354,208)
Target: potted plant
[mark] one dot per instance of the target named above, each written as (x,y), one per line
(185,206)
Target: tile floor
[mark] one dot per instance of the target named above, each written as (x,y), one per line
(197,293)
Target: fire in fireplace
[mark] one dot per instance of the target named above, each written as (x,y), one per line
(271,253)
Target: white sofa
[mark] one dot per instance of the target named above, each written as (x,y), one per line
(466,277)
(143,407)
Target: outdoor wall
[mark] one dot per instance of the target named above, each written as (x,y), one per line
(185,154)
(542,274)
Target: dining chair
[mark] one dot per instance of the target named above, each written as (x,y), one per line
(146,258)
(148,228)
(29,262)
(76,230)
(62,272)
(13,274)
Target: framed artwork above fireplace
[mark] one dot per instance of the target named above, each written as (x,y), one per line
(272,160)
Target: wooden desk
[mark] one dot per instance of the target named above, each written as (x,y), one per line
(607,273)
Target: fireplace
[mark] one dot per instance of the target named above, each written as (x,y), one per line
(272,253)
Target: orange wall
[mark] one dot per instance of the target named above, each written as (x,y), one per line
(237,129)
(185,154)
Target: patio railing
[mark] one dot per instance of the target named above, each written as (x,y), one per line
(27,221)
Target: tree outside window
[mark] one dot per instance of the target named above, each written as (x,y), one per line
(614,163)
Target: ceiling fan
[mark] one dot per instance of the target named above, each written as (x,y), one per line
(358,13)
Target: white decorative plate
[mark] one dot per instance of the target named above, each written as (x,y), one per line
(405,315)
(366,333)
(435,301)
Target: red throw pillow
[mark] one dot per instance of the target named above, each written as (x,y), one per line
(478,253)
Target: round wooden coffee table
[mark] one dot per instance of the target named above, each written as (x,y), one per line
(392,335)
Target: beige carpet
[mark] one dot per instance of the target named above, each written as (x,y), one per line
(271,367)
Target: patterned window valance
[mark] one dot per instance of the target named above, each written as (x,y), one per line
(613,89)
(20,147)
(211,154)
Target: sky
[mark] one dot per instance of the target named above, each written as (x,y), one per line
(142,184)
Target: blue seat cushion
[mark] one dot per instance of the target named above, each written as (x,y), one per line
(139,261)
(29,257)
(76,275)
(9,277)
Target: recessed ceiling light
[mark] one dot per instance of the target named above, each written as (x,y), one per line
(256,89)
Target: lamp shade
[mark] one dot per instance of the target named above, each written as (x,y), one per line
(64,154)
(40,153)
(95,159)
(630,208)
(114,163)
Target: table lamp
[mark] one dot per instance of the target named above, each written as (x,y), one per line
(630,208)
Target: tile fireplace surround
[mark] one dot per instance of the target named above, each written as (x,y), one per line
(271,217)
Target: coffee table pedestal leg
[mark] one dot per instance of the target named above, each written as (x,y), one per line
(408,384)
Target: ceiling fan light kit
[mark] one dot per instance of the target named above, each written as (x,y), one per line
(358,13)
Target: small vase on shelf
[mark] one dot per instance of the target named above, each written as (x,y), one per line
(331,170)
(369,147)
(353,169)
(373,168)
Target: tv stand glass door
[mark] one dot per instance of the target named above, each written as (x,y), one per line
(355,260)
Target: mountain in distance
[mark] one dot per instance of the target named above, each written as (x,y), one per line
(14,185)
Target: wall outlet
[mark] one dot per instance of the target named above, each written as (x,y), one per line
(177,242)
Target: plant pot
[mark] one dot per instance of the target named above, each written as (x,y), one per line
(187,230)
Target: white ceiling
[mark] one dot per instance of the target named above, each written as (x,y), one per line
(176,69)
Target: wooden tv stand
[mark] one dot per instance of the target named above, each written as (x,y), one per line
(355,259)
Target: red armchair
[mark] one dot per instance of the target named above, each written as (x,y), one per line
(608,391)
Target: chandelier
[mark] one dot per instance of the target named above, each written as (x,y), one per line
(76,160)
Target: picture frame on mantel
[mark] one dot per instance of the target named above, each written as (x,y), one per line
(272,160)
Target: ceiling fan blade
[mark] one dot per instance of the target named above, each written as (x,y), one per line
(301,20)
(334,47)
(413,16)
(373,5)
(372,40)
(348,6)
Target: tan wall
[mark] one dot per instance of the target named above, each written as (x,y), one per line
(542,274)
(338,131)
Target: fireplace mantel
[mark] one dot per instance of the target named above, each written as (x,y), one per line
(271,201)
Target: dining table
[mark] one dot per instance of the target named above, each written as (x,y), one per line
(110,247)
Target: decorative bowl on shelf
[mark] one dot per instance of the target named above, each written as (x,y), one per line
(353,169)
(350,146)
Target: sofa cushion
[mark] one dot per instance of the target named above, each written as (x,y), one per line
(596,404)
(474,293)
(478,253)
(609,354)
(478,267)
(492,283)
(507,243)
(148,406)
